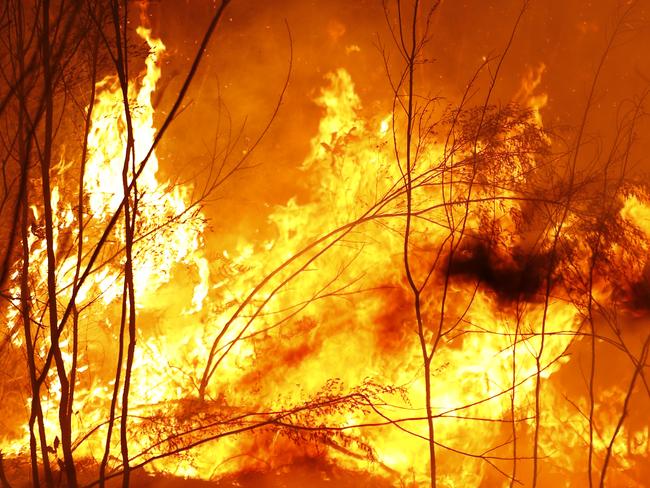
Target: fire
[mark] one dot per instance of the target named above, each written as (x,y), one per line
(170,235)
(305,345)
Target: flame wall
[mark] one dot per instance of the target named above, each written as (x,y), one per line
(276,326)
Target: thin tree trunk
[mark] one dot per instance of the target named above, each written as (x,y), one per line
(426,358)
(36,411)
(64,418)
(130,211)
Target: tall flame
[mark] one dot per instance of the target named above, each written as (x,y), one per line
(329,316)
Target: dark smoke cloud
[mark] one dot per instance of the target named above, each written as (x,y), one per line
(519,276)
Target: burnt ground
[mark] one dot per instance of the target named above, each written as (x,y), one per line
(300,476)
(306,474)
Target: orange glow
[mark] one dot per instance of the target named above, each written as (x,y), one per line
(304,344)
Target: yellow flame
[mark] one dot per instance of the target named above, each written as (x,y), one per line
(343,314)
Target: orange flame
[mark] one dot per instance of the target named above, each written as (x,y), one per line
(334,307)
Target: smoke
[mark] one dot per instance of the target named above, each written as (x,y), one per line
(519,276)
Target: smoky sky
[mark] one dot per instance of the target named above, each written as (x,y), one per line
(248,59)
